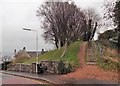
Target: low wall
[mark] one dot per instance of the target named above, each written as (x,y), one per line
(31,68)
(55,67)
(51,66)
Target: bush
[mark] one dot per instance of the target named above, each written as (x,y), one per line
(5,65)
(62,69)
(68,69)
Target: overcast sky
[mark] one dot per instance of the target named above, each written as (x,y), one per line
(16,14)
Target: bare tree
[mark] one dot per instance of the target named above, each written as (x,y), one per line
(5,59)
(63,22)
(92,22)
(108,14)
(108,8)
(92,14)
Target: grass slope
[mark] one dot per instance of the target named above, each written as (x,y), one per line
(70,56)
(103,63)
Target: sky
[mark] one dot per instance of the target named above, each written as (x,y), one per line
(16,14)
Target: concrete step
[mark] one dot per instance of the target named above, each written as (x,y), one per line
(90,54)
(90,60)
(91,63)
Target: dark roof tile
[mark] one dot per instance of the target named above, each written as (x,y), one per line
(33,53)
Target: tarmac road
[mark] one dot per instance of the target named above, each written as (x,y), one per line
(11,79)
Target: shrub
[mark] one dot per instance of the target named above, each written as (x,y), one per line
(68,69)
(62,69)
(5,65)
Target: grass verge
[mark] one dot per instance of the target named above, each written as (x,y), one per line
(70,56)
(105,63)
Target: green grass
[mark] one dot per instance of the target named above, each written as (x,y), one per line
(109,65)
(20,60)
(70,56)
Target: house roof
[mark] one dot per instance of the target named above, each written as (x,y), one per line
(33,53)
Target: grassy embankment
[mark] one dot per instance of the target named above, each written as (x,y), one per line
(70,56)
(102,62)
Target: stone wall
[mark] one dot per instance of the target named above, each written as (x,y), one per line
(31,68)
(47,66)
(43,67)
(51,66)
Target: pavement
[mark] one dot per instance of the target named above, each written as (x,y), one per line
(49,78)
(11,79)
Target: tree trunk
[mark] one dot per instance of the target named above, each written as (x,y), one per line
(56,43)
(93,32)
(89,29)
(59,44)
(65,49)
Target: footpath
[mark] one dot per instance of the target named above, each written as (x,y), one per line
(49,78)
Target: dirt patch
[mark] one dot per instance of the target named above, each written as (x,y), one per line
(90,71)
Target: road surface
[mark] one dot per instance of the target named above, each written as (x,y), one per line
(10,79)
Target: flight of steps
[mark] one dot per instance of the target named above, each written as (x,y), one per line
(90,58)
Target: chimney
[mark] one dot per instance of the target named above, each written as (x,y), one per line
(42,51)
(24,48)
(15,52)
